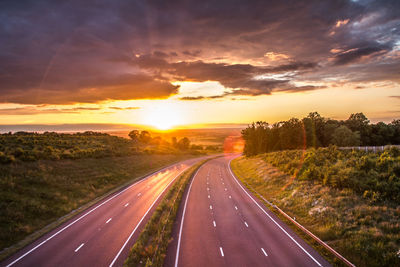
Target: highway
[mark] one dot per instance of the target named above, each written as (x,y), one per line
(102,234)
(222,224)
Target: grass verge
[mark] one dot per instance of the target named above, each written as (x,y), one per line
(366,233)
(38,196)
(151,246)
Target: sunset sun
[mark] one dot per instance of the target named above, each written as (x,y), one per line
(163,117)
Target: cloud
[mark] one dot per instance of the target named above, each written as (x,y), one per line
(124,108)
(355,54)
(62,52)
(34,110)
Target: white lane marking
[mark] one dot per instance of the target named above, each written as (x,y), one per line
(236,208)
(226,189)
(222,252)
(139,194)
(126,205)
(208,196)
(84,215)
(265,253)
(210,207)
(208,188)
(78,248)
(245,223)
(134,230)
(230,196)
(215,225)
(183,219)
(269,216)
(109,220)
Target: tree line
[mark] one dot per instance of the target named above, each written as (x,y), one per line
(317,131)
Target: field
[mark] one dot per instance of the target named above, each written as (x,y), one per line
(197,136)
(360,223)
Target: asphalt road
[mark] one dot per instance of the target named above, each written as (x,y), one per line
(223,224)
(103,234)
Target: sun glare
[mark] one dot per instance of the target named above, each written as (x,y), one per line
(164,117)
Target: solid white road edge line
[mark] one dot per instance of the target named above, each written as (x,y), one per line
(183,219)
(277,224)
(134,230)
(76,250)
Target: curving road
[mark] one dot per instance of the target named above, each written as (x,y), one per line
(103,234)
(223,224)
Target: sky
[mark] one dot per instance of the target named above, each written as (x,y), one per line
(176,63)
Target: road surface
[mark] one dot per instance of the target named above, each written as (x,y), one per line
(223,224)
(103,234)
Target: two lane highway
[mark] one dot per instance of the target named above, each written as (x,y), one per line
(103,234)
(222,224)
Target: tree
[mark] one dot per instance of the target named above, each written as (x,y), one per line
(145,137)
(343,136)
(358,122)
(184,143)
(134,135)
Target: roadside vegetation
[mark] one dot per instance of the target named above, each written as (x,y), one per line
(28,146)
(349,199)
(151,247)
(317,131)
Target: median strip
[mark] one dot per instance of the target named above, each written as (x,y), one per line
(151,246)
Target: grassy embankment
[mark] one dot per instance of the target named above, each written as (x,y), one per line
(348,199)
(151,246)
(46,176)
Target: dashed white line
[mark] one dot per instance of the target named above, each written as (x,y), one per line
(208,196)
(245,223)
(78,248)
(269,216)
(210,207)
(183,219)
(215,225)
(236,208)
(137,225)
(226,189)
(108,220)
(265,253)
(208,188)
(139,194)
(230,196)
(222,252)
(127,204)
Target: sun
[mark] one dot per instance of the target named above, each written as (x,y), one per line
(164,116)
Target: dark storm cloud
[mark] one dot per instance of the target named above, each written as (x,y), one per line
(88,51)
(357,53)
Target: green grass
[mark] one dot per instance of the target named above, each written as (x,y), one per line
(151,246)
(35,194)
(362,229)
